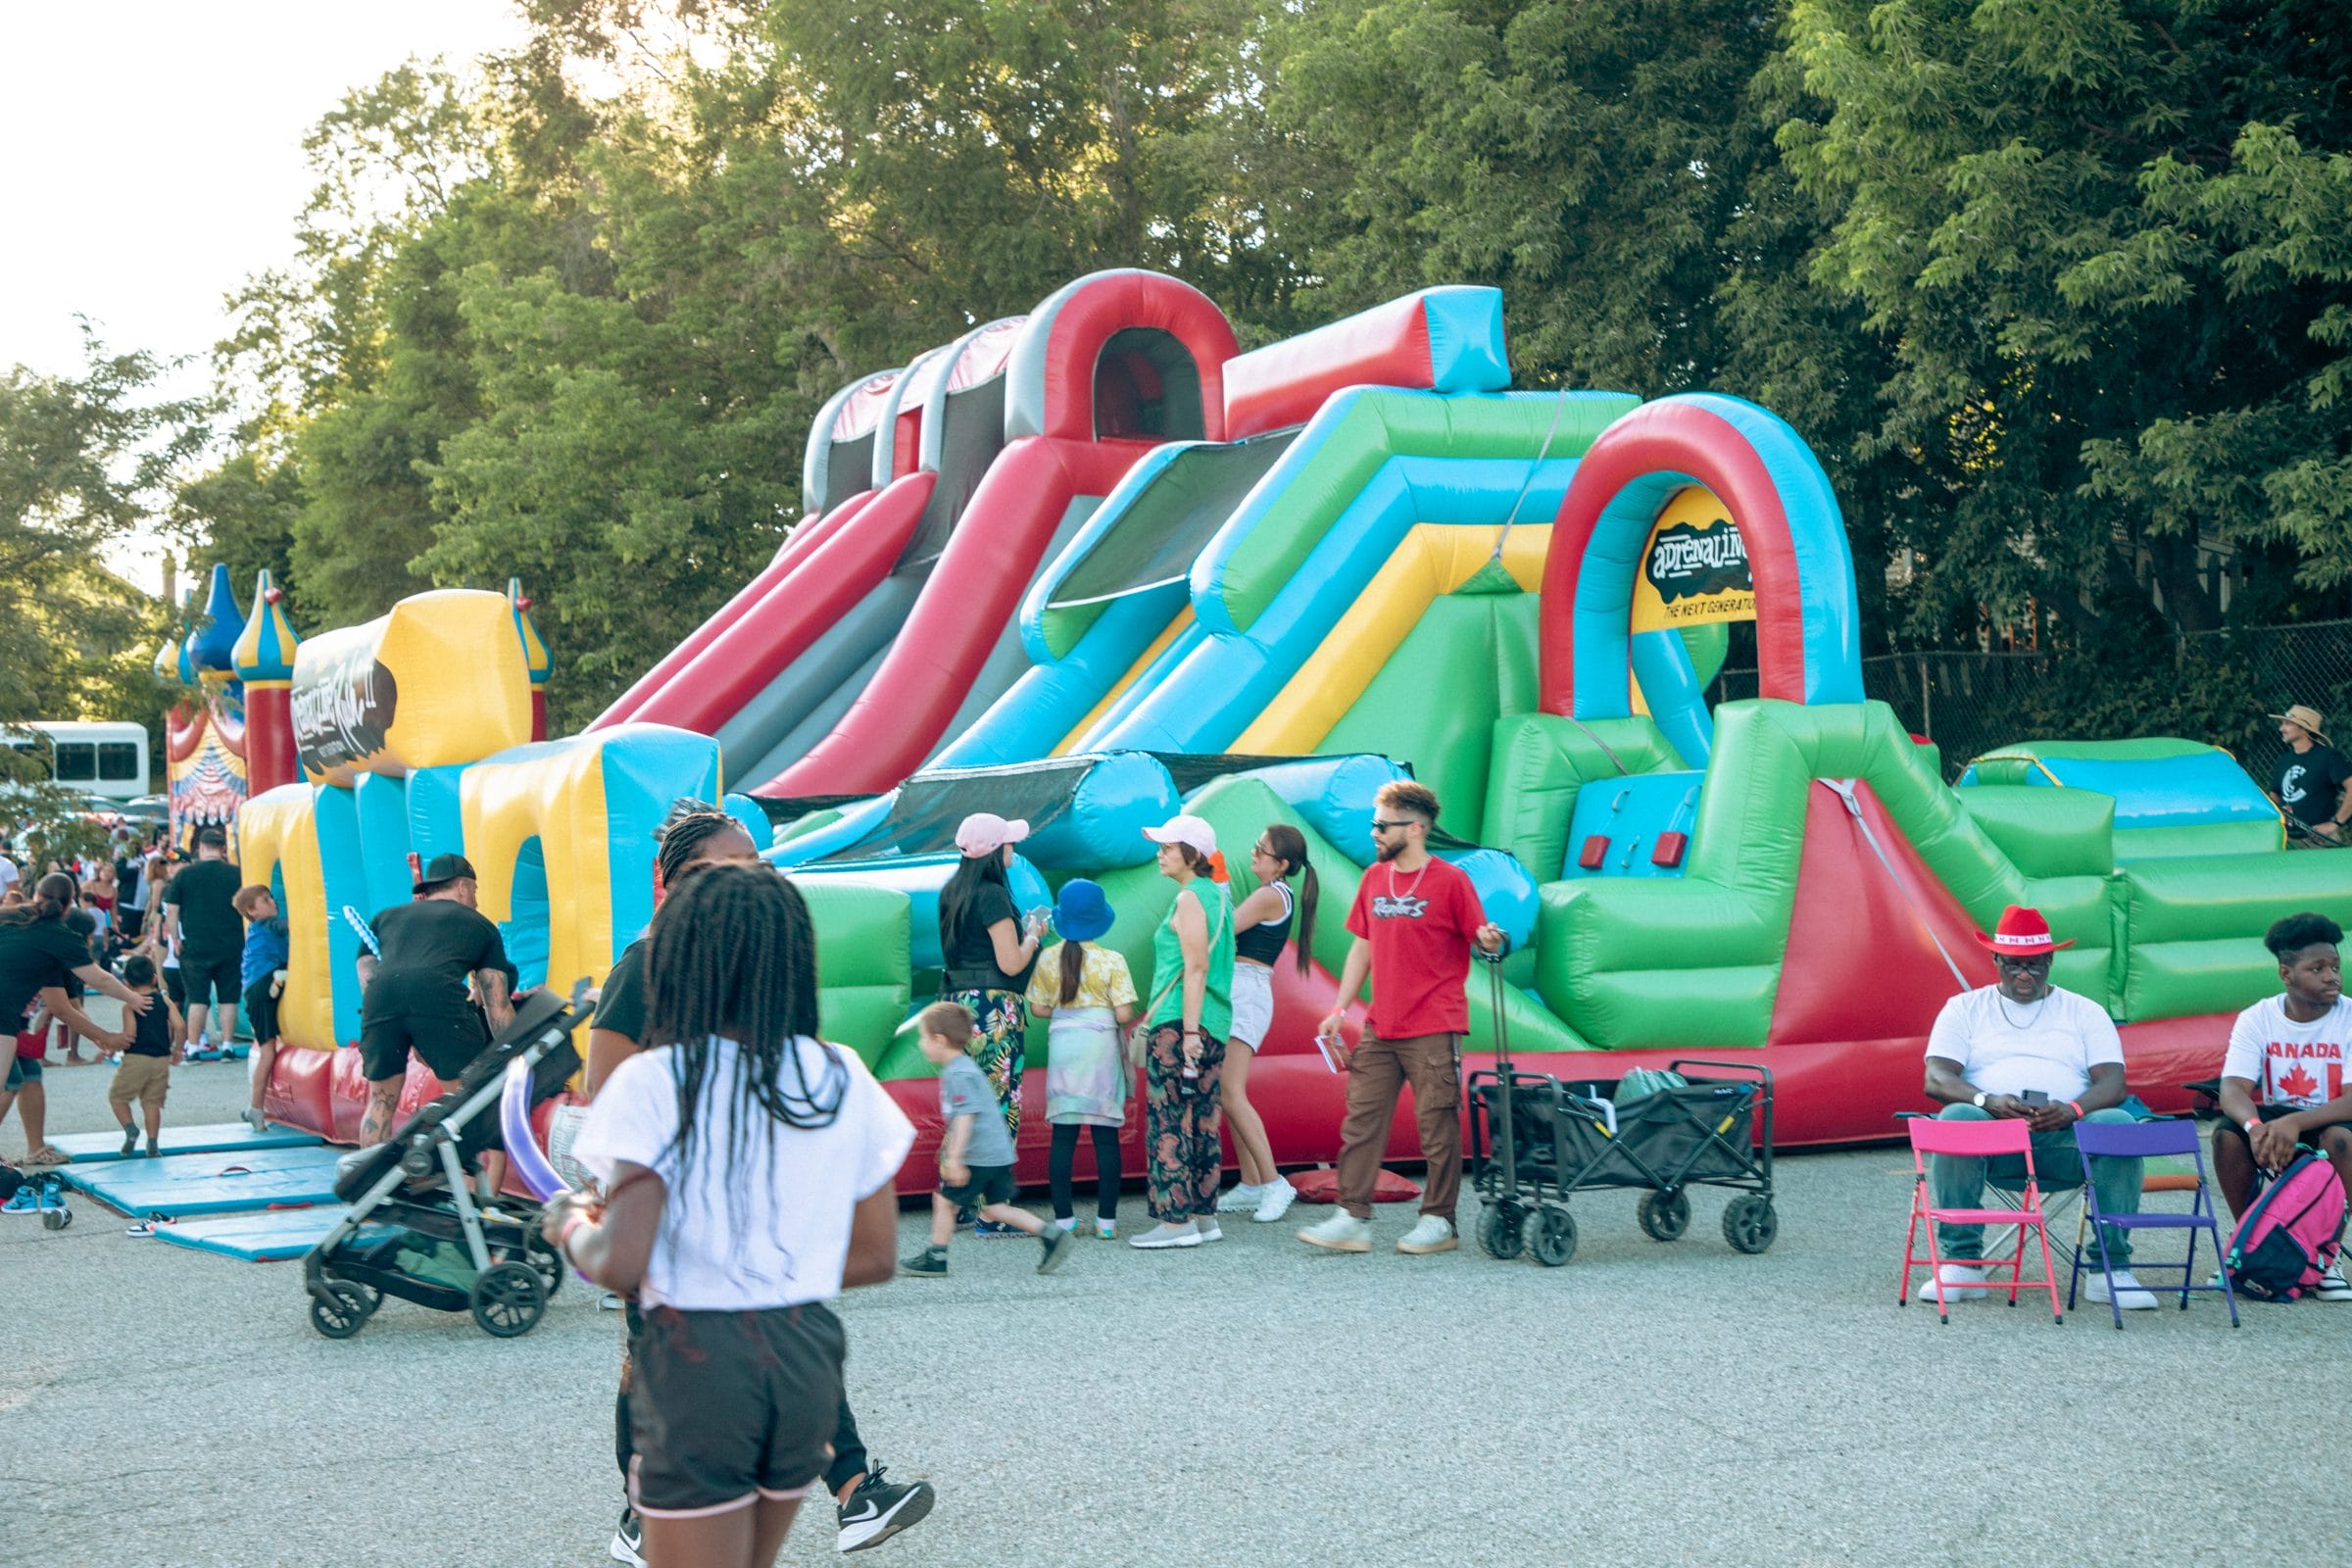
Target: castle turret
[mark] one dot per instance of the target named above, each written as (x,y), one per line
(213,647)
(534,655)
(263,660)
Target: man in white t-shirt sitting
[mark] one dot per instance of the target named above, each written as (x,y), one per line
(2024,1048)
(2283,1082)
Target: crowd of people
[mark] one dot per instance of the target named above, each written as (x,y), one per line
(744,1169)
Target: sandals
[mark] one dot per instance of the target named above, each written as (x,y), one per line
(46,1157)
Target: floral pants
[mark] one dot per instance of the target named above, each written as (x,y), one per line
(1182,1152)
(999,1035)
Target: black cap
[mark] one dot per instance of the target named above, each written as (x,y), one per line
(443,868)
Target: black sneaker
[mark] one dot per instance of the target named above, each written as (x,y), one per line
(628,1540)
(879,1509)
(931,1261)
(1057,1244)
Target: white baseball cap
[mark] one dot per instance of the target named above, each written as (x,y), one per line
(984,833)
(1187,830)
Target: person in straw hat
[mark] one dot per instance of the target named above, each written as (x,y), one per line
(2310,785)
(2023,1048)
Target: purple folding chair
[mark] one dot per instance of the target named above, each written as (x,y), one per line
(2144,1140)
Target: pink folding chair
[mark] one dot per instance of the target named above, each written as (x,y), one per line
(1989,1140)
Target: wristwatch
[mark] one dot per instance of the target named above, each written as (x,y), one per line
(1979,1101)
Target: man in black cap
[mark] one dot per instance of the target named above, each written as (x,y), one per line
(416,989)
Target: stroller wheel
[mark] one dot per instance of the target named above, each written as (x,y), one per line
(1498,1228)
(509,1299)
(1551,1236)
(1749,1223)
(545,1263)
(338,1310)
(56,1219)
(1665,1216)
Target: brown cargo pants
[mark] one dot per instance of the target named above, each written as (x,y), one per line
(1432,1064)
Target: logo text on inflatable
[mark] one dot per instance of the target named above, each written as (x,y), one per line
(1695,566)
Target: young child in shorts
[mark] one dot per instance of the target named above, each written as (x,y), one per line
(145,1074)
(262,974)
(975,1152)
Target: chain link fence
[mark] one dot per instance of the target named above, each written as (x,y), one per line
(2220,688)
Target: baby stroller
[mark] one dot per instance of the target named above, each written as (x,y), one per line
(414,1230)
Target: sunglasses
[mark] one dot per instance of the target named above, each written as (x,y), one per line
(1378,825)
(2040,960)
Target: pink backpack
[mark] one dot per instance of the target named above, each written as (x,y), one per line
(2289,1238)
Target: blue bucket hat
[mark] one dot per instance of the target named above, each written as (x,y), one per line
(1082,913)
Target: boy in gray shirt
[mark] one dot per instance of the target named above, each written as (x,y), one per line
(975,1152)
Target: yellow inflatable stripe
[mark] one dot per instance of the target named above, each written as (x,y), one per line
(276,828)
(1160,645)
(559,800)
(1433,559)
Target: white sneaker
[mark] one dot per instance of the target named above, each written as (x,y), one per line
(2130,1296)
(1240,1199)
(1432,1234)
(2332,1286)
(1962,1282)
(1209,1230)
(1166,1235)
(1343,1232)
(1278,1197)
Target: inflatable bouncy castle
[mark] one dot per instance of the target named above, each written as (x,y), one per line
(1092,565)
(205,768)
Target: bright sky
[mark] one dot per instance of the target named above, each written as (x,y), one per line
(154,156)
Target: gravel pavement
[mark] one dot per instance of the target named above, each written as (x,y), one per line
(1250,1403)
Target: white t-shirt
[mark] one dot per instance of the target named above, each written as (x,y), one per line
(2291,1064)
(775,1230)
(9,874)
(2006,1046)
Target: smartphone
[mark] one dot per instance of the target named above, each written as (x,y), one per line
(2035,1098)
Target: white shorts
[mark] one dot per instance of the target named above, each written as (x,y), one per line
(1252,1003)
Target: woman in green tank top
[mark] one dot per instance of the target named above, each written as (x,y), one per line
(1192,1012)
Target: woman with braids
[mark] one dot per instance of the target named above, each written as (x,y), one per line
(1189,1017)
(870,1509)
(38,956)
(747,1170)
(1262,923)
(987,951)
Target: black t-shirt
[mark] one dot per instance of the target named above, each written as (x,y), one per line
(33,956)
(2310,783)
(439,937)
(621,1004)
(969,952)
(151,1031)
(209,927)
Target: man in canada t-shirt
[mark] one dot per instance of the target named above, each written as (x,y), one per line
(1414,921)
(2284,1081)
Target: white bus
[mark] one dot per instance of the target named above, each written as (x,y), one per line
(107,757)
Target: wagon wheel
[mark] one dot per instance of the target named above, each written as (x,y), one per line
(1665,1216)
(1749,1223)
(1498,1230)
(1551,1236)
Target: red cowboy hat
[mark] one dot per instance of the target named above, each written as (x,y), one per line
(2022,934)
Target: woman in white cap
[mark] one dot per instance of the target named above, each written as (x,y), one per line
(987,950)
(1189,1017)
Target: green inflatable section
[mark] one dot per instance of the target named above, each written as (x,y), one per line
(1696,960)
(862,969)
(2020,764)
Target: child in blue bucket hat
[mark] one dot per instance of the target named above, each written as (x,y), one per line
(1088,992)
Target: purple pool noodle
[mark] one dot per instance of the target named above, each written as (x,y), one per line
(522,1148)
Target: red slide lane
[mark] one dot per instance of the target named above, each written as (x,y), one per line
(971,596)
(740,662)
(796,550)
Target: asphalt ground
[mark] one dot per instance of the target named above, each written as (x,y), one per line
(1253,1401)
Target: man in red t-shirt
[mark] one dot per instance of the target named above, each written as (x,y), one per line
(1414,920)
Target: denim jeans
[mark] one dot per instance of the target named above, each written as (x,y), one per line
(1957,1181)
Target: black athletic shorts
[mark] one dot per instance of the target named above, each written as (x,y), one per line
(989,1184)
(211,980)
(729,1407)
(261,1012)
(175,988)
(421,1012)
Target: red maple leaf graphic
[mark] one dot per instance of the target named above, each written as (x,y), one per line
(2298,1082)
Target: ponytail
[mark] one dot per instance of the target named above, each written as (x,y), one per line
(51,898)
(1289,846)
(1073,970)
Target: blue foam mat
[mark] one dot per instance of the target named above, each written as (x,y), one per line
(92,1149)
(217,1182)
(267,1237)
